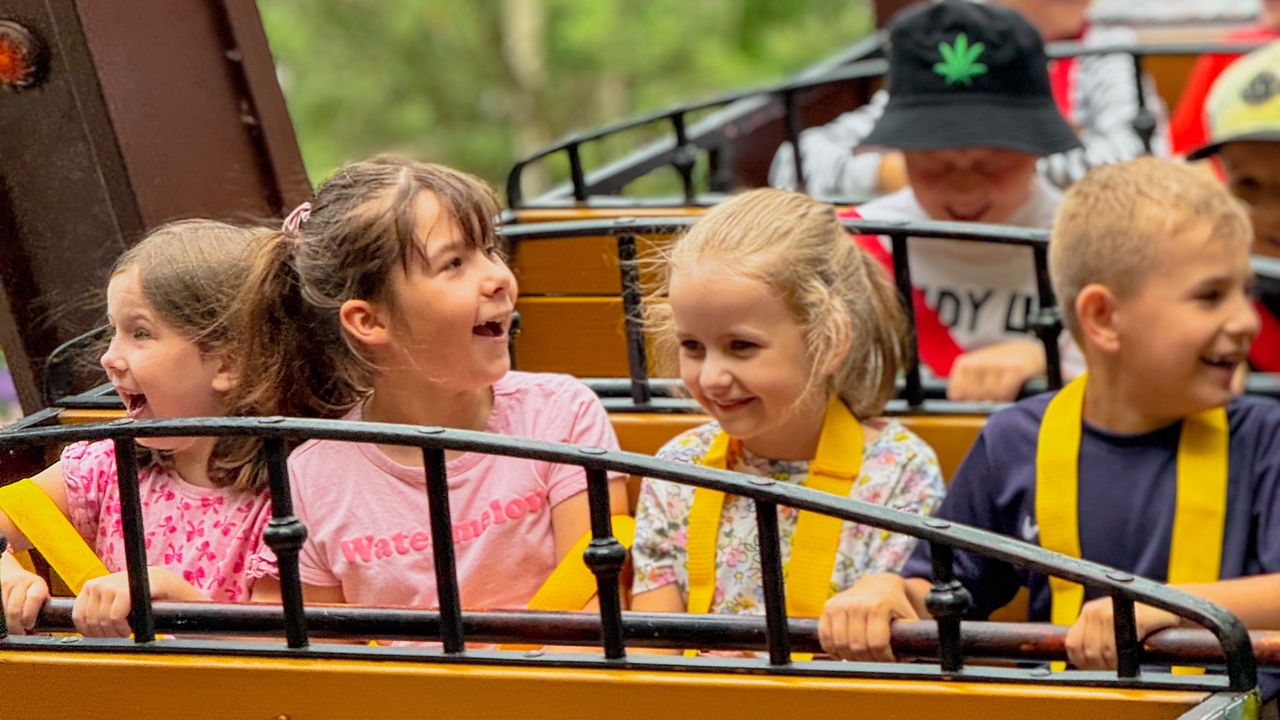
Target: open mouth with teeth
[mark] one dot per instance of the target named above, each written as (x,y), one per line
(134,403)
(491,329)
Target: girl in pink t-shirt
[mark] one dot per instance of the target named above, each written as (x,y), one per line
(204,504)
(388,299)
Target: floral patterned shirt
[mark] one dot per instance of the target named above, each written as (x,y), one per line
(205,535)
(899,471)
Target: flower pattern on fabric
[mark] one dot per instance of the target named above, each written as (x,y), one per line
(205,535)
(899,470)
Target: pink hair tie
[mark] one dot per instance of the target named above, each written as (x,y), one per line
(292,226)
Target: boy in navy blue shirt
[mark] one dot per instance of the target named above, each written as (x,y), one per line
(1136,465)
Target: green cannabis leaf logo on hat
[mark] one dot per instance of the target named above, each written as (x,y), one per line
(959,61)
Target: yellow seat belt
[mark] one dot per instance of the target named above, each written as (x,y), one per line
(50,532)
(1200,510)
(816,541)
(571,585)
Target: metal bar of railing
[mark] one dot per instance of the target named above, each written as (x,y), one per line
(135,548)
(1047,323)
(792,118)
(1144,123)
(4,627)
(947,602)
(1038,642)
(1128,645)
(447,594)
(605,556)
(913,392)
(775,596)
(684,158)
(285,535)
(632,317)
(575,172)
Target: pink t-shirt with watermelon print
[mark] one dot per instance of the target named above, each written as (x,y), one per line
(205,535)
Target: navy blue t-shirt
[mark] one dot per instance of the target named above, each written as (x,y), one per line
(1127,492)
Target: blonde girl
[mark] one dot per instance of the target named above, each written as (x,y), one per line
(790,338)
(388,300)
(204,504)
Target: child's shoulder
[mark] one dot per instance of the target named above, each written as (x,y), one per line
(90,452)
(690,445)
(541,386)
(1251,415)
(898,440)
(899,205)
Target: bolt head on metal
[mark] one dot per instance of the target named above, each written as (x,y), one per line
(1041,672)
(761,481)
(593,451)
(23,57)
(430,430)
(122,421)
(937,524)
(69,639)
(535,653)
(271,420)
(1119,576)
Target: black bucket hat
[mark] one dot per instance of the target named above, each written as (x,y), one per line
(963,74)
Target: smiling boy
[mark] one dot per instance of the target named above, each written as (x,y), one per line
(972,111)
(1146,463)
(1243,116)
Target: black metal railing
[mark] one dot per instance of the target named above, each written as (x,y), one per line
(685,145)
(639,391)
(1046,323)
(605,557)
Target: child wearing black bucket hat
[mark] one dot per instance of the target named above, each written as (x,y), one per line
(972,112)
(1094,92)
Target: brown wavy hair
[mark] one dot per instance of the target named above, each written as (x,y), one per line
(298,361)
(190,271)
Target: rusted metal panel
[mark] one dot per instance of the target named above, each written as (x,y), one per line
(175,80)
(151,110)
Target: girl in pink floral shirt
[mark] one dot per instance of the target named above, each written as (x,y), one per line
(204,504)
(790,337)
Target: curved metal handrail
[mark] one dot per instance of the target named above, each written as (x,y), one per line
(680,151)
(605,556)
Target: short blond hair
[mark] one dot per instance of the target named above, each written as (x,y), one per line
(838,294)
(1111,225)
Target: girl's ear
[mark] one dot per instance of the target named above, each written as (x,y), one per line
(1098,319)
(842,334)
(366,322)
(226,376)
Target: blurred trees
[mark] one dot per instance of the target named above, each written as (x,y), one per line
(477,83)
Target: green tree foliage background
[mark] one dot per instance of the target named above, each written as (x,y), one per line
(477,83)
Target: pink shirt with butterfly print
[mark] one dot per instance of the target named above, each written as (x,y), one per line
(205,535)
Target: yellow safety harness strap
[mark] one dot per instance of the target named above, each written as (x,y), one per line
(817,539)
(1057,492)
(704,527)
(1200,508)
(49,531)
(571,585)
